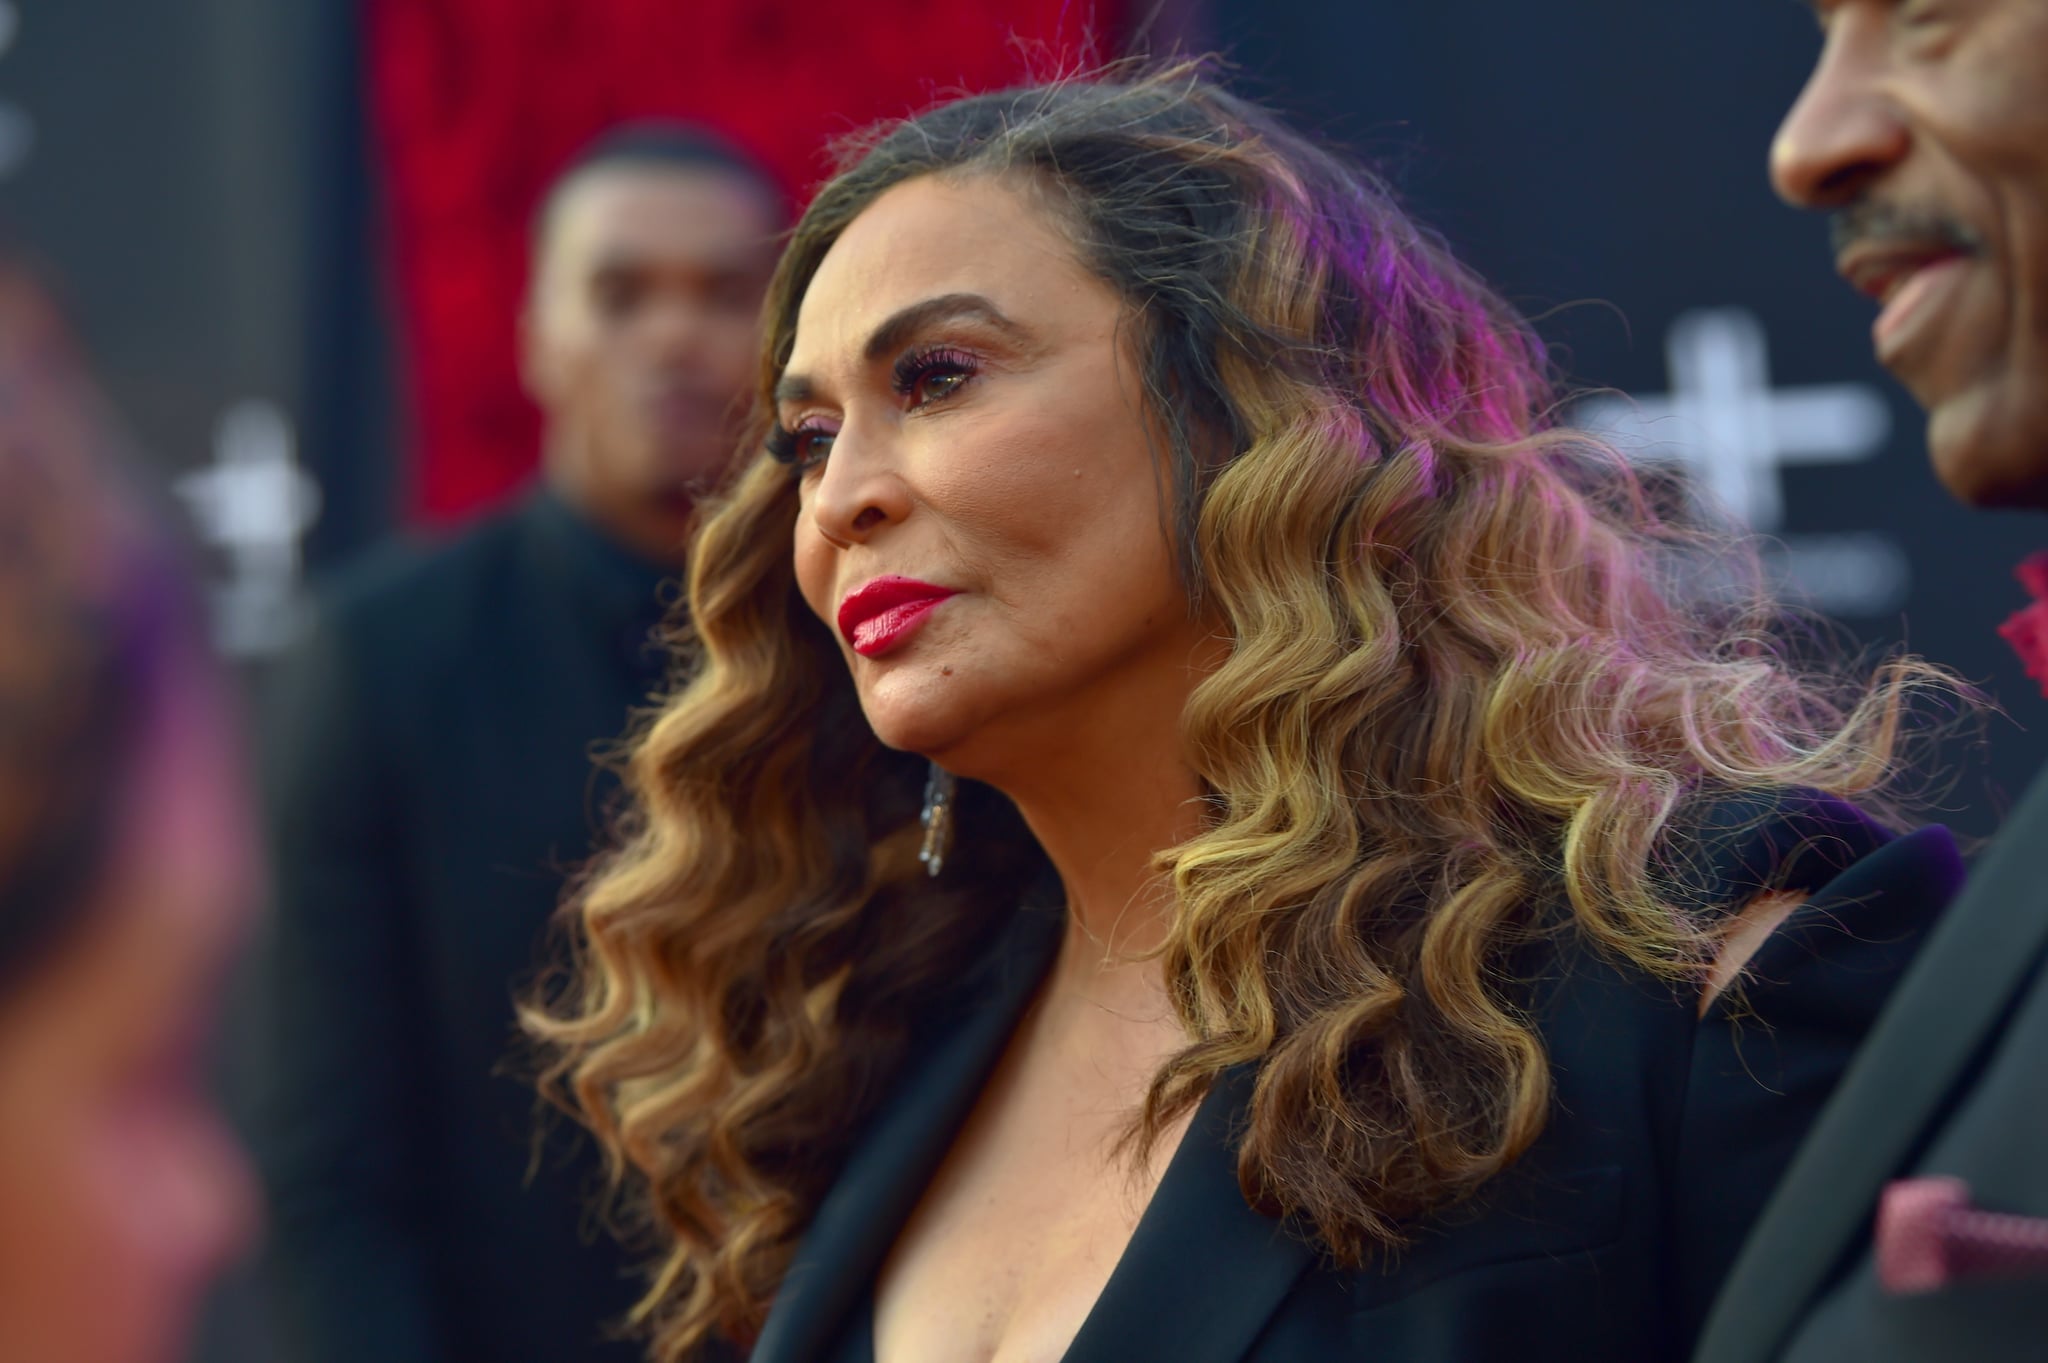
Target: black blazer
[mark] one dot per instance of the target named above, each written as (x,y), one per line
(1954,1082)
(1606,1241)
(430,778)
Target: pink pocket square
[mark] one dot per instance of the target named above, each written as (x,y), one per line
(1929,1237)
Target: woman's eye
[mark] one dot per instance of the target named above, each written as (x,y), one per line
(933,376)
(812,447)
(938,385)
(803,448)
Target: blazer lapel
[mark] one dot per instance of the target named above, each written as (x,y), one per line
(1892,1094)
(904,1143)
(1203,1271)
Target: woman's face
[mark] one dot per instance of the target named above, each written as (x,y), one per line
(981,520)
(123,1191)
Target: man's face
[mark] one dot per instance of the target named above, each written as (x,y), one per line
(1924,129)
(640,334)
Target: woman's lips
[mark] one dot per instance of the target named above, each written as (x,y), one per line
(880,617)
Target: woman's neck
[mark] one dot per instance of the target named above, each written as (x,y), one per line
(1102,818)
(1105,785)
(1105,852)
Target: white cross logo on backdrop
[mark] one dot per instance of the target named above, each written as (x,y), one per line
(255,503)
(1724,421)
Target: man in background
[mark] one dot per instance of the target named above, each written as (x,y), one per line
(432,780)
(1914,1224)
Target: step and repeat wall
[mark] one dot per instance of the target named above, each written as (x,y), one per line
(292,238)
(476,104)
(1604,163)
(158,167)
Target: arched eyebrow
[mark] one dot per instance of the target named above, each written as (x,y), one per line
(904,324)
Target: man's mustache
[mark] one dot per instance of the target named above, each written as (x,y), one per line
(1874,222)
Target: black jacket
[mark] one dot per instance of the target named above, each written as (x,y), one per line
(430,780)
(1606,1241)
(1954,1082)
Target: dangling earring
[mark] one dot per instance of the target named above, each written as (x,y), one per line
(937,819)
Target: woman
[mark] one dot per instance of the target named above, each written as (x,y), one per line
(126,879)
(1323,952)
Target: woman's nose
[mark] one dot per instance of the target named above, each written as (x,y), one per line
(860,489)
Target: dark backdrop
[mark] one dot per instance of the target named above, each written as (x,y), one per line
(1614,151)
(201,189)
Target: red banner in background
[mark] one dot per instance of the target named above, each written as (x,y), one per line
(475,105)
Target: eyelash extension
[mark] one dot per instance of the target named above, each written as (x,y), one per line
(781,445)
(784,446)
(919,365)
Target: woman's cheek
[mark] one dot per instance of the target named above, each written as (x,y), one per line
(812,562)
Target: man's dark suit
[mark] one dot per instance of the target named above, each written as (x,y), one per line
(431,778)
(1953,1081)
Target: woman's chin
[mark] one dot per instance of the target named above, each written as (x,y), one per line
(915,709)
(914,729)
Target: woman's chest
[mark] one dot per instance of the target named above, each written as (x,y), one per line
(1014,1239)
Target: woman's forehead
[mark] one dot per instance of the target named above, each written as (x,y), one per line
(930,237)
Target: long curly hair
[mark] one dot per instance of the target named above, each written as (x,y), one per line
(1466,704)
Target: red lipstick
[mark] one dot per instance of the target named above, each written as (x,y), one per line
(880,617)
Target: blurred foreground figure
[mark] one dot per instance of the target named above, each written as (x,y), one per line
(432,780)
(127,876)
(1914,1226)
